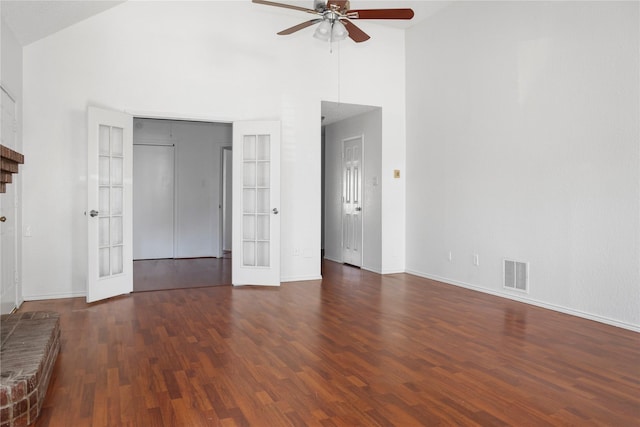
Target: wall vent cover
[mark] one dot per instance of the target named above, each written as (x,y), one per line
(516,275)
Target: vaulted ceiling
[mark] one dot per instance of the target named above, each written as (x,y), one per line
(35,19)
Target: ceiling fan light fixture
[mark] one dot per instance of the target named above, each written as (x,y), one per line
(339,31)
(323,32)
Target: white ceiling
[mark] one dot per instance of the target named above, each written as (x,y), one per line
(32,20)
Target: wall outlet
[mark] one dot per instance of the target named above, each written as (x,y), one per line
(476,260)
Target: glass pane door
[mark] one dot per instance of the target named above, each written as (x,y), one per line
(110,190)
(256,215)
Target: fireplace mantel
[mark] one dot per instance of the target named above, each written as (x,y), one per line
(9,161)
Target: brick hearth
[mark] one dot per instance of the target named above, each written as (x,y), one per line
(29,345)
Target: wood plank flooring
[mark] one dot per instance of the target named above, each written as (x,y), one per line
(162,274)
(355,349)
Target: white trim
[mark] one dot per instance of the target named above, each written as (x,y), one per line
(377,271)
(299,278)
(55,296)
(565,310)
(392,271)
(177,116)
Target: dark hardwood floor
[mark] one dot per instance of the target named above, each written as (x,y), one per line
(355,349)
(162,274)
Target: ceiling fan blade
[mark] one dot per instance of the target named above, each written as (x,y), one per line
(298,27)
(287,6)
(380,14)
(343,5)
(356,34)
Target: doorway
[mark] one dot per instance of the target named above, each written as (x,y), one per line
(343,217)
(178,223)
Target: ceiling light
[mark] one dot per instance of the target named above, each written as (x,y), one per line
(339,31)
(323,32)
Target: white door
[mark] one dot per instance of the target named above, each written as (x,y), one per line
(8,250)
(352,201)
(256,204)
(153,202)
(8,214)
(109,210)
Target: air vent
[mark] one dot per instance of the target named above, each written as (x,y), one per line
(516,275)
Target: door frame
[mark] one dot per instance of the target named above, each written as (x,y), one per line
(223,201)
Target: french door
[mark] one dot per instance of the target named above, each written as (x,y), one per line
(256,203)
(109,211)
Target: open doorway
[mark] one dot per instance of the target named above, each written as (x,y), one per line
(351,184)
(178,204)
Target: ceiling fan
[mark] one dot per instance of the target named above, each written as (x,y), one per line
(334,17)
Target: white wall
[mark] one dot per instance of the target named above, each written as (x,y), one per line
(11,81)
(219,61)
(198,150)
(368,126)
(523,142)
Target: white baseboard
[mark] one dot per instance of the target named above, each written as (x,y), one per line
(299,278)
(53,296)
(393,271)
(531,301)
(373,270)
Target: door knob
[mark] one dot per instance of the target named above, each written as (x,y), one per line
(93,213)
(358,209)
(275,211)
(3,219)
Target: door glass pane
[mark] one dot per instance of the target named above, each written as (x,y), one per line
(116,171)
(103,140)
(103,232)
(249,147)
(248,254)
(262,178)
(263,201)
(262,254)
(249,227)
(249,200)
(116,201)
(116,142)
(103,203)
(249,174)
(263,148)
(116,230)
(116,260)
(103,170)
(103,262)
(263,227)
